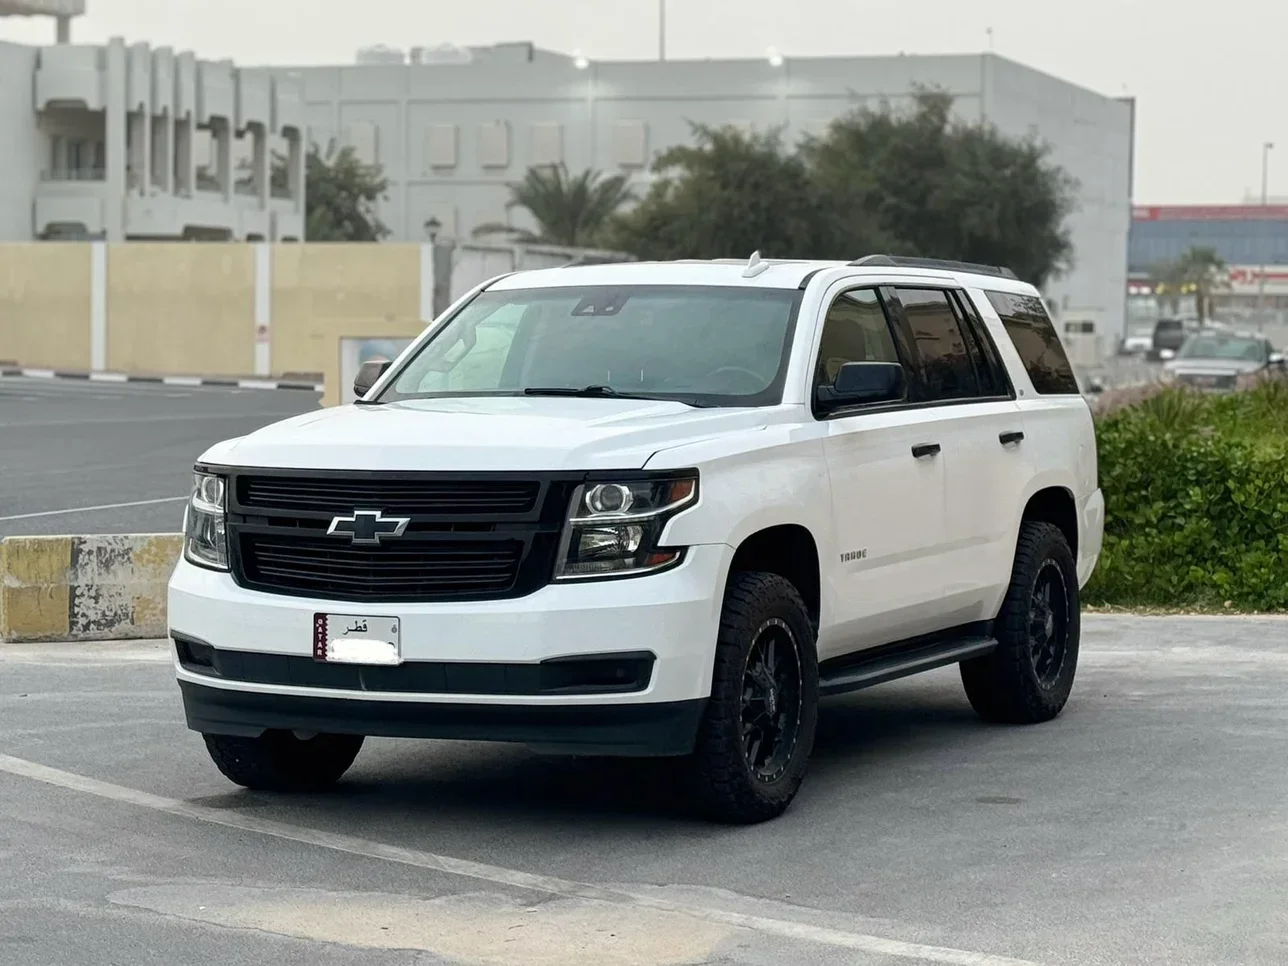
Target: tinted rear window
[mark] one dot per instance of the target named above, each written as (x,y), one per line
(1037,342)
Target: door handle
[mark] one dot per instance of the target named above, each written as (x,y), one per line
(922,450)
(1014,436)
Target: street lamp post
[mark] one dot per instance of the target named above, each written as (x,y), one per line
(1265,201)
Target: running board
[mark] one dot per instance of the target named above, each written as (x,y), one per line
(879,668)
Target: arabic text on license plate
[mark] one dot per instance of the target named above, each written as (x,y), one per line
(350,639)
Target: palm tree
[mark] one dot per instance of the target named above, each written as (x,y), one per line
(1199,271)
(570,210)
(1206,272)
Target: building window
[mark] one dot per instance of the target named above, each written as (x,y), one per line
(440,147)
(57,162)
(494,144)
(363,137)
(547,144)
(630,144)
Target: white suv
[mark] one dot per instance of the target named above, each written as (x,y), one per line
(650,510)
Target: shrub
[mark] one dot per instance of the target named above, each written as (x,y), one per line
(1196,492)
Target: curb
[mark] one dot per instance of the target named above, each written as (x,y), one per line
(85,588)
(118,377)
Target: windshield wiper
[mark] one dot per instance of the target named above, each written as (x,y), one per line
(607,392)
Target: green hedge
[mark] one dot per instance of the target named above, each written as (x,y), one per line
(1196,492)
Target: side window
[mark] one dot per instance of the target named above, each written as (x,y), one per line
(947,371)
(993,378)
(856,329)
(1037,342)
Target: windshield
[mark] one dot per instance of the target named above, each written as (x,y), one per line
(710,346)
(1224,347)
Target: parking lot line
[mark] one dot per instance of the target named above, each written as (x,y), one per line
(549,885)
(92,509)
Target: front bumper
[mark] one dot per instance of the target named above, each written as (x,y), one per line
(631,730)
(672,615)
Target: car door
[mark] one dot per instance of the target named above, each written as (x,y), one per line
(963,380)
(887,483)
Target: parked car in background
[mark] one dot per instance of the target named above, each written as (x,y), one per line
(1170,335)
(1138,341)
(1219,361)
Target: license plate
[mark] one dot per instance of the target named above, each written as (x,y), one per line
(349,639)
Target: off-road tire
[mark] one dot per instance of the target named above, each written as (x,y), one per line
(1007,686)
(726,787)
(278,761)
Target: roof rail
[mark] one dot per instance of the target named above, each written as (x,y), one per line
(899,261)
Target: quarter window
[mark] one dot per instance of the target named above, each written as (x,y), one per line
(856,329)
(1037,342)
(947,371)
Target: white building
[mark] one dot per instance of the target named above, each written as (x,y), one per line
(131,142)
(453,128)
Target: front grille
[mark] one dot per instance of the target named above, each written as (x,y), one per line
(392,495)
(1208,382)
(477,537)
(329,568)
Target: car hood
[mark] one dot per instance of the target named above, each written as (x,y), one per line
(482,434)
(1212,367)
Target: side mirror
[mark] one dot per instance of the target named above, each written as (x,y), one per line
(369,375)
(860,383)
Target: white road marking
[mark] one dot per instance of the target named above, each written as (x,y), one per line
(549,885)
(92,509)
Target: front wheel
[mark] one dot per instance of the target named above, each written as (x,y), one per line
(280,761)
(757,733)
(1028,678)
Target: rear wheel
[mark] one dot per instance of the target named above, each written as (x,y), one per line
(281,761)
(1029,677)
(758,731)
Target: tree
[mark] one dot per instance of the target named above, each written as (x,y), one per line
(942,188)
(728,195)
(340,197)
(570,210)
(1205,272)
(1198,271)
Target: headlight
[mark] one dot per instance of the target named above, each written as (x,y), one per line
(205,535)
(613,528)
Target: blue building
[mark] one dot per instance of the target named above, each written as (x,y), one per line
(1241,234)
(1251,239)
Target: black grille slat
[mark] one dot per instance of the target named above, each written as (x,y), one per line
(422,571)
(435,497)
(484,537)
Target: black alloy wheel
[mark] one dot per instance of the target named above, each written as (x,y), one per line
(771,701)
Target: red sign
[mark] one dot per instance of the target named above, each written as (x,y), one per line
(1211,213)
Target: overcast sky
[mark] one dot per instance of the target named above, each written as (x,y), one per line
(1211,79)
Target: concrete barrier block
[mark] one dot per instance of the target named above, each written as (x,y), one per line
(85,588)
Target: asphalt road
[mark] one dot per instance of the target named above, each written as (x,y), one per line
(1144,827)
(67,445)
